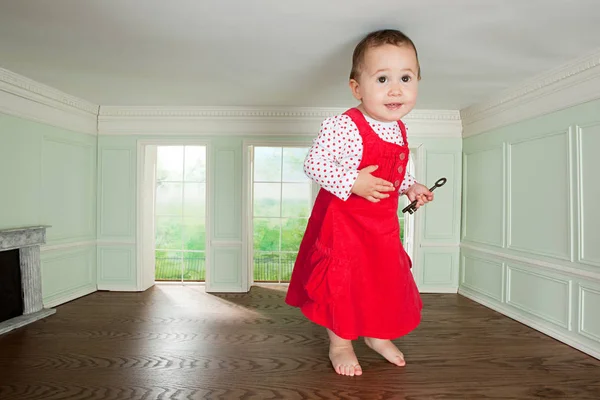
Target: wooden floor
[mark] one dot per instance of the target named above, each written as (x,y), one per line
(175,342)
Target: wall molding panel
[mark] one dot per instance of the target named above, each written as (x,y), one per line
(68,272)
(117,268)
(116,203)
(484,185)
(547,185)
(490,283)
(71,189)
(225,272)
(520,280)
(587,141)
(441,269)
(438,227)
(588,306)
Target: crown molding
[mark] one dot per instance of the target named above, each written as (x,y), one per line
(566,86)
(271,121)
(257,112)
(28,99)
(107,112)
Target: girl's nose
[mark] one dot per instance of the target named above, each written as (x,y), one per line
(395,90)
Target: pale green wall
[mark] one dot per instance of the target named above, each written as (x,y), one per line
(531,225)
(436,262)
(48,177)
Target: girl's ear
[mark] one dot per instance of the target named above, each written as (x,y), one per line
(355,87)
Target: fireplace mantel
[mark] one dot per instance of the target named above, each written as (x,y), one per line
(28,241)
(15,238)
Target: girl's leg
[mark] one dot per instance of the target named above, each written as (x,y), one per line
(341,354)
(387,349)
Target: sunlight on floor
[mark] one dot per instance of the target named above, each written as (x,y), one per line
(195,295)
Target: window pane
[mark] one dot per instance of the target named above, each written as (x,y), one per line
(168,198)
(194,266)
(168,265)
(266,234)
(194,199)
(267,164)
(267,199)
(296,201)
(168,233)
(194,235)
(402,202)
(293,164)
(195,164)
(169,163)
(266,266)
(287,266)
(402,233)
(292,231)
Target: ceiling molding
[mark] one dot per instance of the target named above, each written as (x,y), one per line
(571,84)
(433,115)
(258,112)
(218,112)
(28,99)
(271,121)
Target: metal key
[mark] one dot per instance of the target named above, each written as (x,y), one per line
(411,208)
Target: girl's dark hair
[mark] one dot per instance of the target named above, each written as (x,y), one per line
(376,39)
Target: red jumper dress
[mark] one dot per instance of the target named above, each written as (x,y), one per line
(352,274)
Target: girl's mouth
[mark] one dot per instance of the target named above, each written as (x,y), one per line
(393,106)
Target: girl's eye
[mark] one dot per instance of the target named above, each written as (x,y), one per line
(382,79)
(406,78)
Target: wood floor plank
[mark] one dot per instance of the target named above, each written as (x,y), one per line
(174,342)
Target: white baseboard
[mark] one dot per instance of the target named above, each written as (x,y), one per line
(233,289)
(118,288)
(65,297)
(438,289)
(570,339)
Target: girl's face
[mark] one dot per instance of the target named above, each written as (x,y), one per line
(388,82)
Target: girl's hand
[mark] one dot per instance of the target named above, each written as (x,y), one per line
(371,187)
(420,193)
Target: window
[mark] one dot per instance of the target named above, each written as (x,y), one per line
(282,202)
(180,213)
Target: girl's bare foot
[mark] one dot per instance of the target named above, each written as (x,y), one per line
(387,349)
(342,356)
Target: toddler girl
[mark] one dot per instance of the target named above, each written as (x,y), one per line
(352,275)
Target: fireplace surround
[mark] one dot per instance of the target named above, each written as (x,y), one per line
(28,241)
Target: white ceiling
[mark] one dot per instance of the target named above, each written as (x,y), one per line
(283,52)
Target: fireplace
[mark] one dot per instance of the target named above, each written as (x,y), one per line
(11,288)
(20,264)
